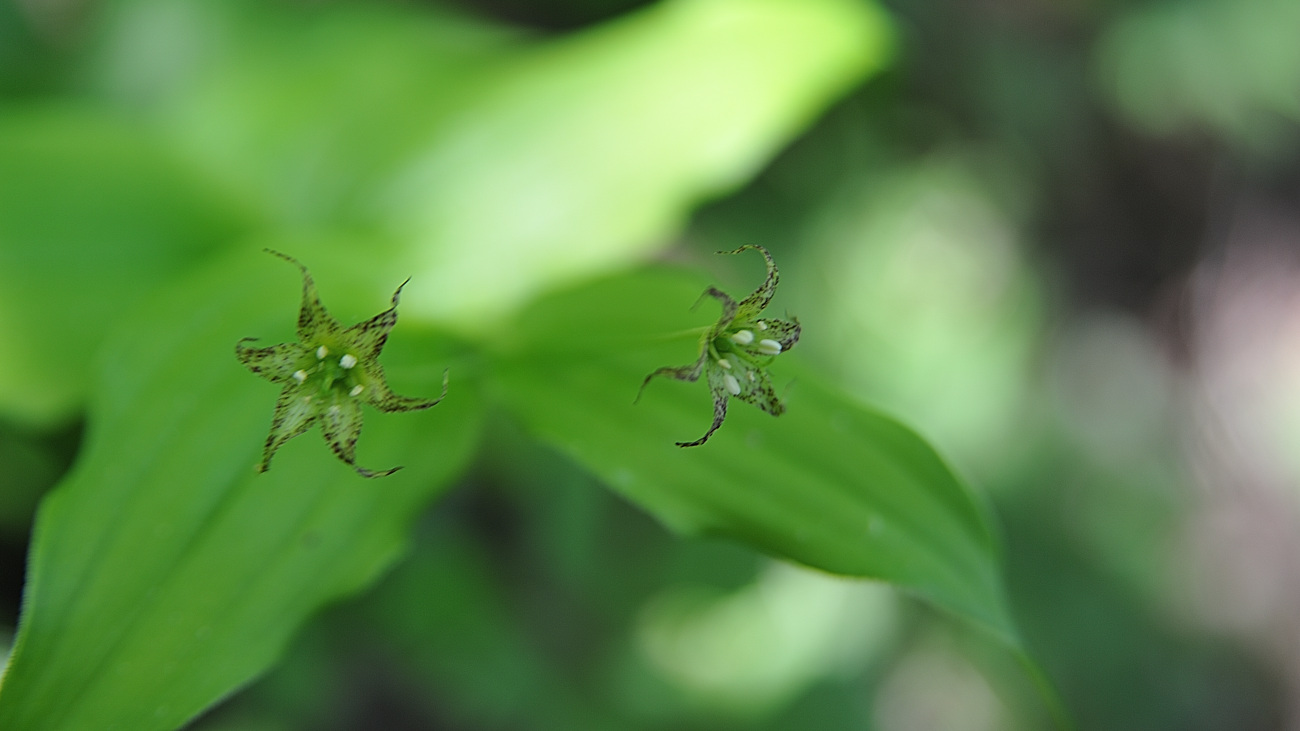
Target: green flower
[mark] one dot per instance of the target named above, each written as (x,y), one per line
(327,375)
(736,351)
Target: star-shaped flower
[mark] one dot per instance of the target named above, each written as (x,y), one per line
(736,351)
(327,375)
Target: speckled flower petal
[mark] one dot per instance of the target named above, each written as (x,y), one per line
(756,388)
(378,394)
(313,320)
(690,372)
(341,424)
(757,302)
(718,388)
(294,414)
(276,363)
(784,332)
(728,310)
(370,336)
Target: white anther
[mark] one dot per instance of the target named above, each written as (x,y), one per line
(744,337)
(769,347)
(300,376)
(348,360)
(356,390)
(762,325)
(751,376)
(321,352)
(732,384)
(724,363)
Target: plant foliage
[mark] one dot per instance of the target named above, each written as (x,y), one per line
(166,573)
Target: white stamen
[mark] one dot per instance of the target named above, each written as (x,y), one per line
(769,347)
(348,360)
(300,376)
(751,376)
(732,384)
(724,363)
(321,352)
(356,390)
(762,325)
(744,337)
(334,410)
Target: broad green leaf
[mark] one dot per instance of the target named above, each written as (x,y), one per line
(165,572)
(93,215)
(305,106)
(505,163)
(831,483)
(586,153)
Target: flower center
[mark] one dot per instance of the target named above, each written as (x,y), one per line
(332,370)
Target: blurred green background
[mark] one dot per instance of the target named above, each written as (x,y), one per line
(1062,239)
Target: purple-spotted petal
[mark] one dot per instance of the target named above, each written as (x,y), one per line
(314,321)
(341,424)
(295,412)
(377,393)
(276,363)
(757,302)
(369,337)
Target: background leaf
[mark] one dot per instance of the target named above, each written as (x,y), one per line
(93,216)
(586,153)
(316,104)
(165,573)
(830,484)
(505,163)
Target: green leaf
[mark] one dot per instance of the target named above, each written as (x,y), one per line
(505,163)
(456,626)
(586,153)
(165,572)
(307,107)
(93,216)
(831,484)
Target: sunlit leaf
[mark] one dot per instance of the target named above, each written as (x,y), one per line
(93,215)
(304,106)
(166,572)
(830,483)
(506,163)
(587,152)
